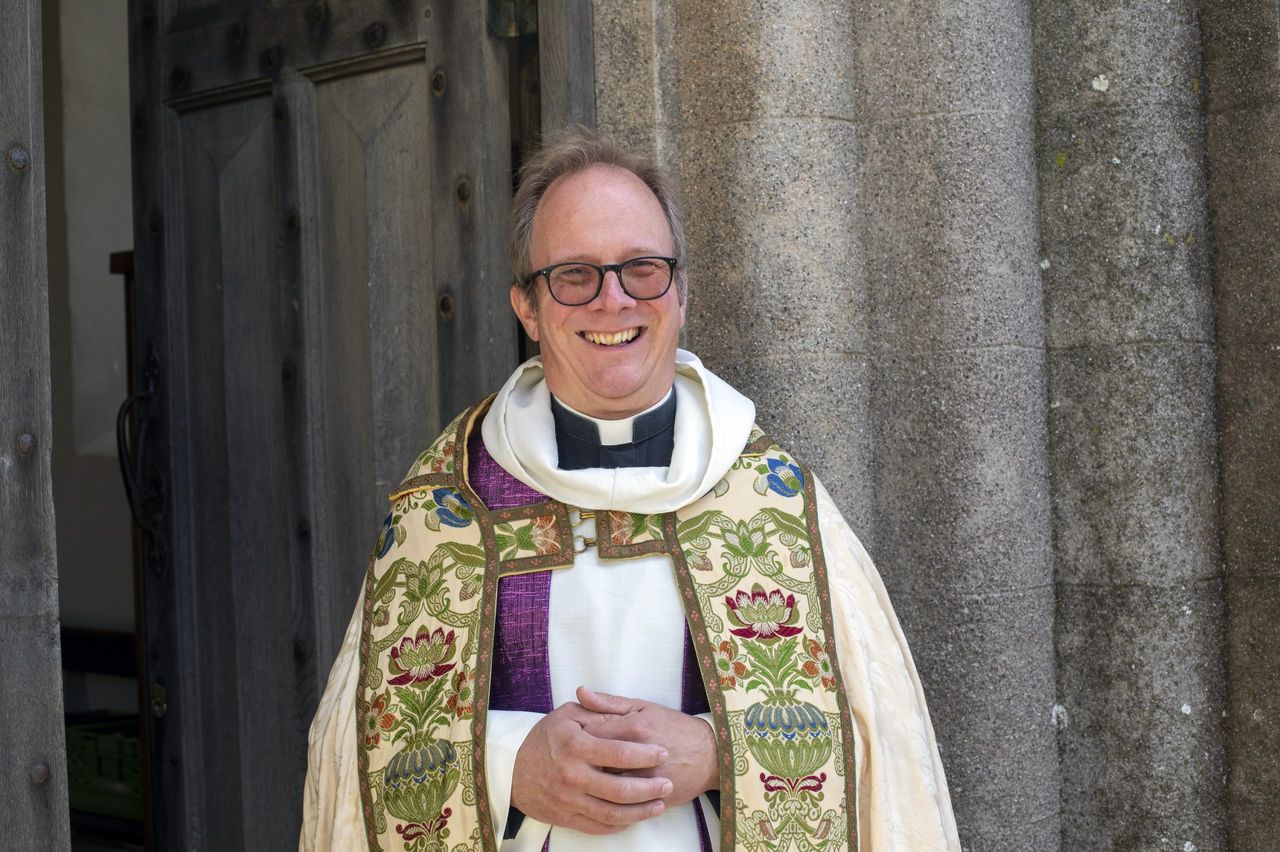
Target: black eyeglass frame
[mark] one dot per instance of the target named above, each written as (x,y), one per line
(601,269)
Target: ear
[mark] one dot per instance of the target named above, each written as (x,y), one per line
(525,311)
(682,292)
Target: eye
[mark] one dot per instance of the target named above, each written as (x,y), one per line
(574,274)
(643,267)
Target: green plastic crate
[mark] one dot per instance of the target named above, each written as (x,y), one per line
(104,768)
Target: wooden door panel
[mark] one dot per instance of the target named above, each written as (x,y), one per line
(238,579)
(320,195)
(375,242)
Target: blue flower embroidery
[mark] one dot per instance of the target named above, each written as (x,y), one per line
(784,478)
(386,538)
(451,508)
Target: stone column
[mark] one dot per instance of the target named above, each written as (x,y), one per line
(1242,65)
(947,220)
(1133,445)
(860,188)
(765,149)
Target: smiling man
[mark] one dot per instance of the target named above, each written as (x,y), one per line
(606,610)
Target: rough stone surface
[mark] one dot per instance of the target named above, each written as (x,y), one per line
(934,61)
(774,262)
(628,94)
(1242,63)
(1124,226)
(1132,447)
(768,58)
(960,477)
(949,232)
(1253,735)
(1148,51)
(1245,166)
(991,644)
(1136,753)
(1132,442)
(947,219)
(1249,379)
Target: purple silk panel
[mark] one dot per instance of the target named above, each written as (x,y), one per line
(521,670)
(521,674)
(693,700)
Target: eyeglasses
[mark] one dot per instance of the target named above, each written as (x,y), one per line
(577,283)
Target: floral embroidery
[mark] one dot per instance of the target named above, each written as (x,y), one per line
(535,537)
(763,615)
(818,664)
(378,719)
(729,666)
(422,658)
(423,582)
(759,581)
(751,573)
(780,476)
(746,542)
(450,509)
(387,537)
(462,702)
(442,460)
(632,527)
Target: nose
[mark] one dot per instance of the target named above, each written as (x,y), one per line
(612,296)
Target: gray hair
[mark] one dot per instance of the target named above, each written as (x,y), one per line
(567,152)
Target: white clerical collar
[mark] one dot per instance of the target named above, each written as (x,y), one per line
(713,422)
(614,432)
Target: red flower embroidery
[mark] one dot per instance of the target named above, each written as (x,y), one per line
(462,703)
(763,615)
(729,667)
(543,533)
(818,664)
(620,532)
(422,657)
(377,719)
(446,452)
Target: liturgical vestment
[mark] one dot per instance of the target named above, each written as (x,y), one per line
(620,628)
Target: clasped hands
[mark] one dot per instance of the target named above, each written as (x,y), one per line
(606,762)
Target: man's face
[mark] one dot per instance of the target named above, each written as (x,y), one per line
(602,215)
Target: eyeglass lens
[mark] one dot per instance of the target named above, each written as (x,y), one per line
(579,283)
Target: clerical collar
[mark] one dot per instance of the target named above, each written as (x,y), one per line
(642,440)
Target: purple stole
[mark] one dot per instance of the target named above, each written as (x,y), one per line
(521,674)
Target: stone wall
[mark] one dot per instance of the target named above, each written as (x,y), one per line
(1006,277)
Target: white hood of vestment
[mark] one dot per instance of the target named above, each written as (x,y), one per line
(713,422)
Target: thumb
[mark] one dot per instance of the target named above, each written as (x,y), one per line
(603,702)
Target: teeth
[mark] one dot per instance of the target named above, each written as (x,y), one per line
(612,339)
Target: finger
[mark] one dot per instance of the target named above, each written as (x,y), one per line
(618,754)
(603,702)
(627,789)
(627,728)
(618,815)
(590,826)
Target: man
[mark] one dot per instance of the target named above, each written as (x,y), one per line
(606,611)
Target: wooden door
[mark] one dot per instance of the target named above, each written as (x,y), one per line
(320,197)
(33,782)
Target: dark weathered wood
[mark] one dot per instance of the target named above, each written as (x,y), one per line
(568,66)
(470,178)
(299,225)
(33,782)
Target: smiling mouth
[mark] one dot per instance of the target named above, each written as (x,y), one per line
(617,338)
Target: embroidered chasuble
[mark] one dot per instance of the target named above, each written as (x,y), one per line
(502,580)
